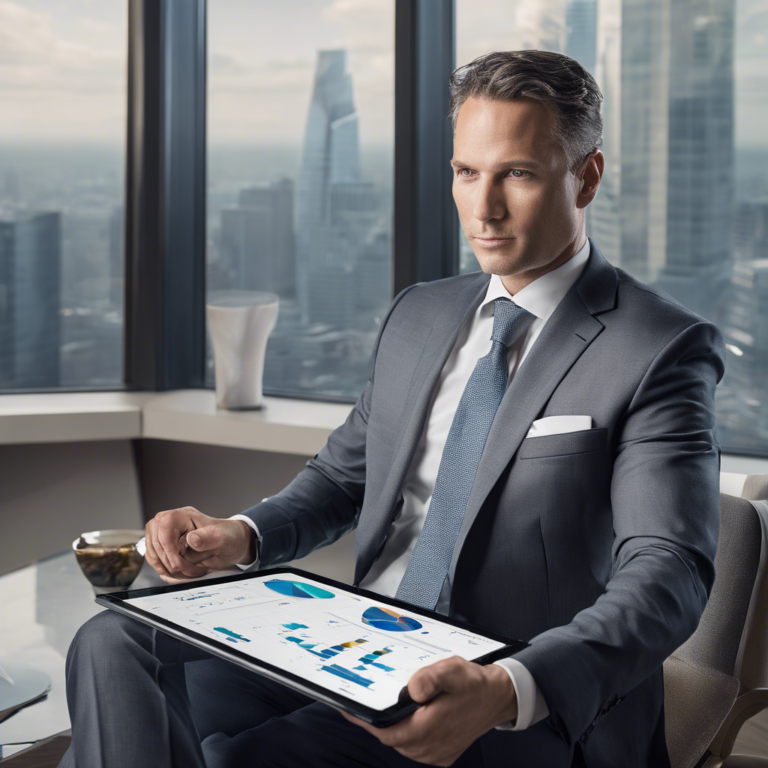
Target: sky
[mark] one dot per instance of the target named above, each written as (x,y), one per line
(261,65)
(63,63)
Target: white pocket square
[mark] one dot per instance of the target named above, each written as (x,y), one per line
(557,425)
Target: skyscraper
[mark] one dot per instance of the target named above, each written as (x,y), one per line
(581,32)
(257,246)
(664,212)
(750,230)
(746,333)
(700,177)
(335,210)
(30,268)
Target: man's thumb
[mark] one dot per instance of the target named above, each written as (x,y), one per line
(203,539)
(423,686)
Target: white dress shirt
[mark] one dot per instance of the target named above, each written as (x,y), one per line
(540,298)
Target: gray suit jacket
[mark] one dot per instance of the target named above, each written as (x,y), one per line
(595,546)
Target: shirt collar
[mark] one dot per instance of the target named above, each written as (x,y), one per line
(542,296)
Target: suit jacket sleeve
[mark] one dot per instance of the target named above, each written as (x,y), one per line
(665,504)
(323,502)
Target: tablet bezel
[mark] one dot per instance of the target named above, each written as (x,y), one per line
(378,717)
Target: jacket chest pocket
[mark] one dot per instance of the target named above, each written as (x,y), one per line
(565,444)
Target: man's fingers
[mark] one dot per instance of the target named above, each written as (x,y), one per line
(150,554)
(173,545)
(191,570)
(169,538)
(205,540)
(156,563)
(175,568)
(154,528)
(196,558)
(150,534)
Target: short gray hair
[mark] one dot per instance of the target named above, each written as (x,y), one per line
(552,78)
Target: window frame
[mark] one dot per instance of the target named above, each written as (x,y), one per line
(166,179)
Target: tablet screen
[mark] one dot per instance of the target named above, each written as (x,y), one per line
(343,642)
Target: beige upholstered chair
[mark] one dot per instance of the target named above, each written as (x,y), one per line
(718,679)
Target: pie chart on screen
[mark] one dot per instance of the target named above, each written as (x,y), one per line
(389,620)
(298,589)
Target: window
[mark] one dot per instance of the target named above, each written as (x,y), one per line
(62,134)
(683,203)
(300,170)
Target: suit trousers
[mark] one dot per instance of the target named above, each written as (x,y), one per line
(140,697)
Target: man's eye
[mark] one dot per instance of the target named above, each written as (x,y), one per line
(465,172)
(516,174)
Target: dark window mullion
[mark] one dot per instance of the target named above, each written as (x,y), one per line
(165,196)
(426,228)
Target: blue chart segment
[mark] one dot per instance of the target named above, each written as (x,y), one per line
(374,659)
(323,653)
(298,589)
(232,636)
(347,674)
(384,618)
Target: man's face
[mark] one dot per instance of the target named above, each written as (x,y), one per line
(517,201)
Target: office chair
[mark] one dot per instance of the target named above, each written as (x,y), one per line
(718,679)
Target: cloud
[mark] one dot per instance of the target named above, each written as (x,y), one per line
(508,25)
(253,96)
(47,79)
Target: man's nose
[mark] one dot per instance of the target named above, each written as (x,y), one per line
(489,201)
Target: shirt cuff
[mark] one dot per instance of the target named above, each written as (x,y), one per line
(531,706)
(255,563)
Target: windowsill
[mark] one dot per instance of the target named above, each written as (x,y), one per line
(283,426)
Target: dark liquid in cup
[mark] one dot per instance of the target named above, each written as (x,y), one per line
(114,566)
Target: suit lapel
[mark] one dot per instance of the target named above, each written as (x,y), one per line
(565,336)
(450,313)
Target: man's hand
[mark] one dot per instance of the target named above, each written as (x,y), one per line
(469,700)
(185,544)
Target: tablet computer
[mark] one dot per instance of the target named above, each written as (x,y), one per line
(341,645)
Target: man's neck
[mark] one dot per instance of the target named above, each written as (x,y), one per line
(515,283)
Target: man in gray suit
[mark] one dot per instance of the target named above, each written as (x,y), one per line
(556,482)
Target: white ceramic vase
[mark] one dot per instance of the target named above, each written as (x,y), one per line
(239,323)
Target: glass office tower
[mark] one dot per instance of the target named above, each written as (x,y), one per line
(337,214)
(30,282)
(664,210)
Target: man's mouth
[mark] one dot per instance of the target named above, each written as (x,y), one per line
(490,241)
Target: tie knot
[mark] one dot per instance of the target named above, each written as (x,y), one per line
(508,321)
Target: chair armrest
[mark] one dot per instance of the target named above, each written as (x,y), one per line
(745,761)
(745,707)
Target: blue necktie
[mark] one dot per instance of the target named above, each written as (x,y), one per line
(431,559)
